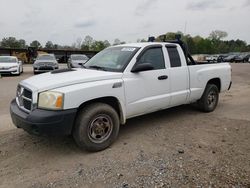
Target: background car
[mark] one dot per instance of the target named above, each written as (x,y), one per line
(45,63)
(242,58)
(77,60)
(10,65)
(230,58)
(212,58)
(222,57)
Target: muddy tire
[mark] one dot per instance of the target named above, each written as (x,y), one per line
(209,99)
(96,127)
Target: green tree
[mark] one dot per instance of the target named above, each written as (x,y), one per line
(56,46)
(218,35)
(117,42)
(49,45)
(99,45)
(22,43)
(12,42)
(36,44)
(87,43)
(78,43)
(106,43)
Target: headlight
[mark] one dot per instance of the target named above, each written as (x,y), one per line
(50,100)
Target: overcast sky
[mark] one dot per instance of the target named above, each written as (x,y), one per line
(63,21)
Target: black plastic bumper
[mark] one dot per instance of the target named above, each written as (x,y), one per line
(43,122)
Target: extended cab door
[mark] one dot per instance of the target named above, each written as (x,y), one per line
(147,91)
(178,74)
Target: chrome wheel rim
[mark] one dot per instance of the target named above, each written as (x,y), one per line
(212,99)
(100,128)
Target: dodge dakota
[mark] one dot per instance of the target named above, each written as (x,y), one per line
(118,83)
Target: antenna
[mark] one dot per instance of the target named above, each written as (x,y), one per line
(185,28)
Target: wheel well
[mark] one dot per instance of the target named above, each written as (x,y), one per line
(215,81)
(112,101)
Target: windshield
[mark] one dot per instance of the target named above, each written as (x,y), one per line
(46,57)
(112,59)
(7,59)
(231,56)
(79,57)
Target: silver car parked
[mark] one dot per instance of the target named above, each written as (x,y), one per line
(77,60)
(45,63)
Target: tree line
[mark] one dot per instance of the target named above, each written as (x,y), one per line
(213,44)
(88,44)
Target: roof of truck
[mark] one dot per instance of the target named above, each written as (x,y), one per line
(143,44)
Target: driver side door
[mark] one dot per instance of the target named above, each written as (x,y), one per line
(148,91)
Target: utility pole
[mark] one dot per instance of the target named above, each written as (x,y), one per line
(185,28)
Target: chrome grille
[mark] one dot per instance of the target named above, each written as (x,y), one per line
(24,98)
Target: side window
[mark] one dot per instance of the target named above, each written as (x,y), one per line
(175,60)
(153,56)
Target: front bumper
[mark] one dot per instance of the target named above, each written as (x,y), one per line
(43,122)
(44,69)
(9,71)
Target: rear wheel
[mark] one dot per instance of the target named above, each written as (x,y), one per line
(96,127)
(209,99)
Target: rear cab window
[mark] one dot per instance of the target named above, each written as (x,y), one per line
(174,56)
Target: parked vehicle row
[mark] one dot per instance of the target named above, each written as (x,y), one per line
(48,62)
(242,58)
(10,65)
(237,58)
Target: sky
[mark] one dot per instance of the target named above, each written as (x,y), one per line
(65,21)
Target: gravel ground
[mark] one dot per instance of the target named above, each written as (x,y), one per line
(178,147)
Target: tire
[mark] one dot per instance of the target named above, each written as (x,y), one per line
(209,99)
(96,127)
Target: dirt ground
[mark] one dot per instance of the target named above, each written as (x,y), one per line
(178,147)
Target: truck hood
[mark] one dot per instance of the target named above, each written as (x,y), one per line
(48,81)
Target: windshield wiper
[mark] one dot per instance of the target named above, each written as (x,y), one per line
(97,67)
(83,66)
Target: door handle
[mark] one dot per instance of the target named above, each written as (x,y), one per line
(163,77)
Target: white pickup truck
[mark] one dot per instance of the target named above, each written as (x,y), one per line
(118,83)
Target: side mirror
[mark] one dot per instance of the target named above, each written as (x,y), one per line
(142,67)
(19,62)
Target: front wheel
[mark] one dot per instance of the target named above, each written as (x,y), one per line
(209,99)
(97,127)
